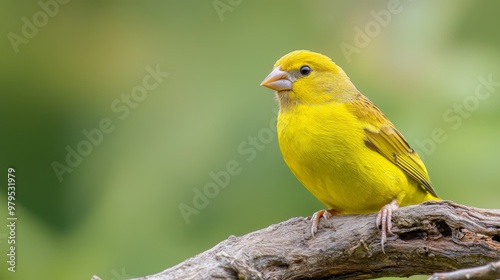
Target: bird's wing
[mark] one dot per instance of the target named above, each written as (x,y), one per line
(384,138)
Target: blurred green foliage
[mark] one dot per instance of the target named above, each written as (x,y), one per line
(117,213)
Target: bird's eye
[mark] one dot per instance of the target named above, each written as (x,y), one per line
(305,70)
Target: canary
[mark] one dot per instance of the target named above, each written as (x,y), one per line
(339,144)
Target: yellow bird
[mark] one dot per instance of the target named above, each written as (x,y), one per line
(340,146)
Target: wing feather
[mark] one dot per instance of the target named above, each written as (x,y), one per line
(383,137)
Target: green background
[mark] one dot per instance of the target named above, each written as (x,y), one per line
(117,213)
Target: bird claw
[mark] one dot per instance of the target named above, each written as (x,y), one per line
(316,217)
(384,221)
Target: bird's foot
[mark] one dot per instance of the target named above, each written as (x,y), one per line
(384,222)
(316,217)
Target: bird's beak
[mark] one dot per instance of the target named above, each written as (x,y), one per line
(278,80)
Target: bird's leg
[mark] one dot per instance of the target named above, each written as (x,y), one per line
(384,222)
(316,217)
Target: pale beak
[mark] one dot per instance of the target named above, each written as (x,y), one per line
(278,80)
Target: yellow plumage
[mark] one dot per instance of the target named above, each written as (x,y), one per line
(338,143)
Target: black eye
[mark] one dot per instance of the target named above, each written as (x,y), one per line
(305,70)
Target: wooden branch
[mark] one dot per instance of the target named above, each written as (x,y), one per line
(485,272)
(430,237)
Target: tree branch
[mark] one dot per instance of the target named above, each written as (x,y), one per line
(485,272)
(430,237)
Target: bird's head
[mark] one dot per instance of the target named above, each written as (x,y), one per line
(305,77)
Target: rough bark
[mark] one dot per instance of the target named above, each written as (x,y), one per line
(428,238)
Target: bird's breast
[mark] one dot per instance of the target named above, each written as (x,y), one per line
(324,148)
